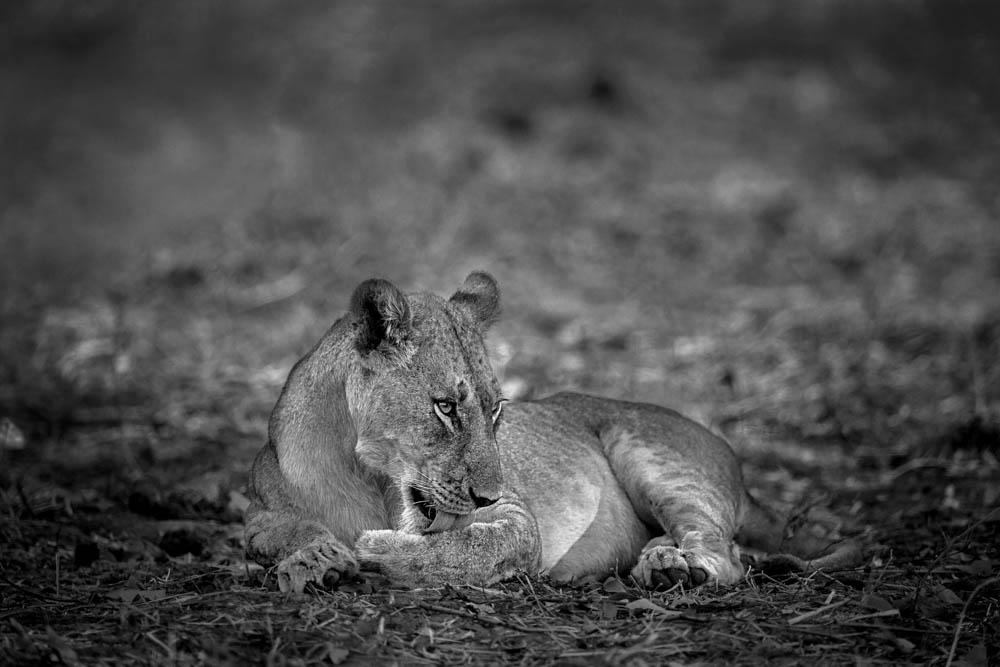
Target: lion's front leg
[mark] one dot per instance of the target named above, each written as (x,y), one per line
(323,562)
(304,551)
(505,541)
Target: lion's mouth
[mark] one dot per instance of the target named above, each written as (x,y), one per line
(440,520)
(423,504)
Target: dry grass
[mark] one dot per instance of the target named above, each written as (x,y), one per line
(181,612)
(793,240)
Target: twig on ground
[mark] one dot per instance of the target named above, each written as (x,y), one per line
(816,612)
(961,616)
(949,546)
(523,578)
(492,620)
(37,596)
(891,476)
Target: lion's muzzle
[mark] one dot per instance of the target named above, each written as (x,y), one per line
(445,508)
(483,500)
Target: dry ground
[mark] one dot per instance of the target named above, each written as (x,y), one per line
(779,218)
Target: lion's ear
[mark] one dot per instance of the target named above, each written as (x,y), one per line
(479,295)
(382,314)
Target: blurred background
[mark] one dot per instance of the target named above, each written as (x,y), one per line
(778,216)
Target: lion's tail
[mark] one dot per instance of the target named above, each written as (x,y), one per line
(767,543)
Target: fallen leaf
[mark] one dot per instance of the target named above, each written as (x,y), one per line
(642,604)
(486,609)
(335,654)
(976,657)
(613,585)
(609,609)
(904,645)
(129,595)
(126,595)
(876,602)
(948,596)
(67,655)
(11,437)
(151,595)
(977,568)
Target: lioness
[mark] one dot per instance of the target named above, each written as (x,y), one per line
(391,446)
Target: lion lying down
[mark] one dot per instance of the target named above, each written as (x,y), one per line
(391,447)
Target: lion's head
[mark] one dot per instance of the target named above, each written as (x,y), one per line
(424,399)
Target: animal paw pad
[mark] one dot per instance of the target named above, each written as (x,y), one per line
(666,567)
(320,563)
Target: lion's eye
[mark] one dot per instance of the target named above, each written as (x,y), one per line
(444,408)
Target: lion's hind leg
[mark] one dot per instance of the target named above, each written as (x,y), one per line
(682,479)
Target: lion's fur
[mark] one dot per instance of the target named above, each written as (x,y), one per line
(569,485)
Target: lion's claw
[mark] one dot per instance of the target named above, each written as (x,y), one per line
(663,565)
(323,563)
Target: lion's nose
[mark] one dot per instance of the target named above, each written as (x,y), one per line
(484,500)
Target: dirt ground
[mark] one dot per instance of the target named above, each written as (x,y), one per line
(778,218)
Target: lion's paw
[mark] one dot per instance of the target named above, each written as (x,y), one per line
(323,562)
(662,564)
(404,558)
(385,550)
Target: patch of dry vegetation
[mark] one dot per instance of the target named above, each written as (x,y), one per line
(116,595)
